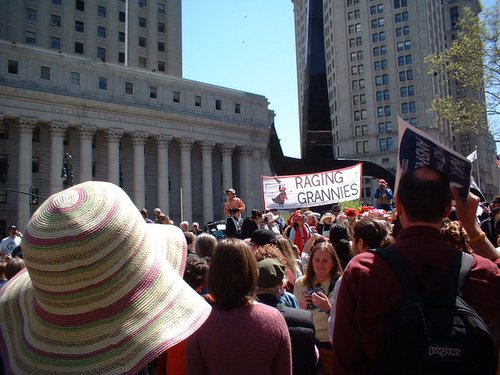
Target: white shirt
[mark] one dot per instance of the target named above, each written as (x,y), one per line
(8,244)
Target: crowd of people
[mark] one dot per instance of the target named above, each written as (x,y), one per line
(295,293)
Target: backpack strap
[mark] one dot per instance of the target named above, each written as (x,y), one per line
(466,264)
(407,276)
(459,270)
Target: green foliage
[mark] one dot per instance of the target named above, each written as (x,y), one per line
(464,64)
(356,203)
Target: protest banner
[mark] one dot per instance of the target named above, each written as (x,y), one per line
(310,190)
(417,149)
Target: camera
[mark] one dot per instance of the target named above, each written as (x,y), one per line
(316,289)
(311,291)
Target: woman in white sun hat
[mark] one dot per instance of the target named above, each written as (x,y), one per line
(102,292)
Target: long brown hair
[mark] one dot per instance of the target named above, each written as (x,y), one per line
(232,277)
(336,270)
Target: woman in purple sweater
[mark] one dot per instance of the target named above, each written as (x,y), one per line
(241,336)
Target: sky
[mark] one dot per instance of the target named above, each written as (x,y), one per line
(248,46)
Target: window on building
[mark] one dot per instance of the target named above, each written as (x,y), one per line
(402,76)
(56,2)
(4,167)
(161,46)
(218,104)
(129,88)
(101,11)
(153,92)
(79,26)
(176,97)
(361,83)
(101,53)
(379,96)
(101,31)
(161,9)
(411,90)
(35,165)
(121,16)
(142,62)
(35,136)
(407,44)
(142,3)
(358,41)
(412,107)
(74,78)
(45,73)
(161,27)
(403,91)
(55,20)
(142,22)
(80,5)
(30,15)
(404,107)
(409,74)
(55,42)
(121,36)
(197,101)
(121,57)
(408,59)
(103,83)
(79,48)
(142,41)
(357,115)
(237,108)
(13,67)
(4,130)
(30,37)
(161,66)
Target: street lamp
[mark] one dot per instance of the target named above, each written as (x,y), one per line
(67,171)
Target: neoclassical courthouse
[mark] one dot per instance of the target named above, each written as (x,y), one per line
(101,80)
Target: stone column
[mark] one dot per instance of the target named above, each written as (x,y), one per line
(162,142)
(57,131)
(246,169)
(227,166)
(25,128)
(86,135)
(208,193)
(113,135)
(186,144)
(138,140)
(266,169)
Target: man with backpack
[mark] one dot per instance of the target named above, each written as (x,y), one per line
(403,316)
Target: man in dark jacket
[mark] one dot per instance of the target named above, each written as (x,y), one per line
(300,324)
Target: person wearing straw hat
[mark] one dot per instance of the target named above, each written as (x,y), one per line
(102,291)
(325,223)
(233,202)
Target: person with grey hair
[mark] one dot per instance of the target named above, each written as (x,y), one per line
(205,245)
(184,225)
(195,228)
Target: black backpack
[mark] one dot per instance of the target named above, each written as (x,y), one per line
(434,332)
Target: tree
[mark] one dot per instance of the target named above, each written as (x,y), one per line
(491,34)
(472,62)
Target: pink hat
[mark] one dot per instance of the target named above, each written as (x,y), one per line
(102,291)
